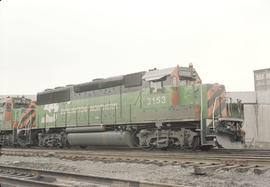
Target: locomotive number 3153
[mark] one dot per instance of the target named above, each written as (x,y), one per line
(156,100)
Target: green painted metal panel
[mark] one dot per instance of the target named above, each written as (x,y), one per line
(135,107)
(192,95)
(4,125)
(172,113)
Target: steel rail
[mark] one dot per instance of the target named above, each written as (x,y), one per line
(97,180)
(43,152)
(139,151)
(15,181)
(245,157)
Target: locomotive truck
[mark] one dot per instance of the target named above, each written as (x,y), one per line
(150,109)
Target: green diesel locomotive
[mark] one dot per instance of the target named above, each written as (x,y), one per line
(154,109)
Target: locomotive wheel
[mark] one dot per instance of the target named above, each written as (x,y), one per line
(196,142)
(149,148)
(22,139)
(206,147)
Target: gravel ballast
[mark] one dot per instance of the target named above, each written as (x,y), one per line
(167,173)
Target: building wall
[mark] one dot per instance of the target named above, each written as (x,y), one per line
(263,97)
(262,79)
(245,97)
(257,117)
(257,124)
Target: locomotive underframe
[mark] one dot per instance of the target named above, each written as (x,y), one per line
(177,134)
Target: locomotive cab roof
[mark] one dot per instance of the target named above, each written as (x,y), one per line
(184,72)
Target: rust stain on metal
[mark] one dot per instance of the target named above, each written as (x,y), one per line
(8,110)
(174,88)
(197,111)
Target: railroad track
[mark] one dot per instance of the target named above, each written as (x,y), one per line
(229,157)
(257,161)
(18,176)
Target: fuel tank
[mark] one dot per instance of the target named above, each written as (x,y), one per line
(110,138)
(85,129)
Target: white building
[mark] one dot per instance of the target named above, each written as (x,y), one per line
(256,115)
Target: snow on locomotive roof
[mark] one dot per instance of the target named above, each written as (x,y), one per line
(157,74)
(187,72)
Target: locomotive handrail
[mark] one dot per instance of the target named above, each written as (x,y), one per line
(213,113)
(229,109)
(201,116)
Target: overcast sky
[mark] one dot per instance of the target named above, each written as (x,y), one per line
(50,43)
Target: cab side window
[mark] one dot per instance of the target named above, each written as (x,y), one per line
(8,107)
(186,82)
(156,86)
(174,82)
(2,106)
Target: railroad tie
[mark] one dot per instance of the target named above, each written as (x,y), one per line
(204,170)
(260,170)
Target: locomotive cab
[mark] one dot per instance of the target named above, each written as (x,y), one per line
(9,104)
(204,111)
(12,113)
